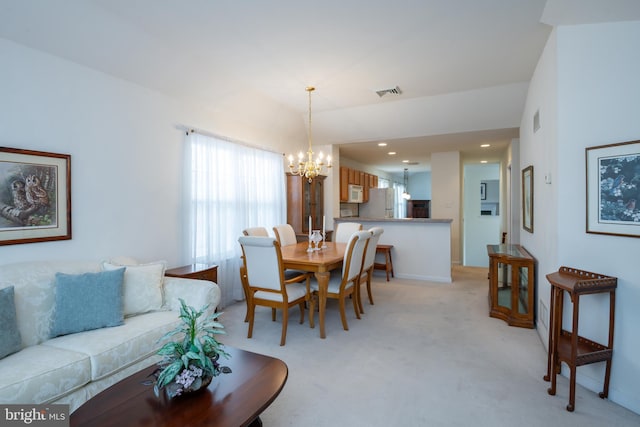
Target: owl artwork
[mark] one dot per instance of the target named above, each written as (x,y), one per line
(36,195)
(19,195)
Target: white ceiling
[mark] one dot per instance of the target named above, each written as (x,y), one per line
(455,53)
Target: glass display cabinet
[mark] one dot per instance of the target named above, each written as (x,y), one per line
(511,285)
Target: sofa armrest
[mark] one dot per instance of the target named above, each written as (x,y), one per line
(194,292)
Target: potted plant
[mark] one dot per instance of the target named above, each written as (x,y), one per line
(190,363)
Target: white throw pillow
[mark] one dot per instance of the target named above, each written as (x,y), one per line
(142,286)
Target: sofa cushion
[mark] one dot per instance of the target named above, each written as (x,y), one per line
(10,340)
(87,301)
(40,374)
(113,349)
(34,293)
(142,286)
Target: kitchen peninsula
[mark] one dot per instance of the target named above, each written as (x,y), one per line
(422,246)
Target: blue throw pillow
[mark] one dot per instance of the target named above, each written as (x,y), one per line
(87,301)
(10,340)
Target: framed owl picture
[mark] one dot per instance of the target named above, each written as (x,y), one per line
(35,196)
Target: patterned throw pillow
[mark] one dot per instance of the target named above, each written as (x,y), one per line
(10,340)
(142,286)
(87,301)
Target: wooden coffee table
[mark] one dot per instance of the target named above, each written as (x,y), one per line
(235,399)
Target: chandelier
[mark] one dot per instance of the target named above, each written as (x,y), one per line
(405,193)
(309,168)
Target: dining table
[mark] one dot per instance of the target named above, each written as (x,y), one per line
(320,262)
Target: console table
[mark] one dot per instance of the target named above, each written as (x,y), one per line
(511,284)
(569,347)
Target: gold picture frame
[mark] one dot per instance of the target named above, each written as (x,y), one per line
(613,189)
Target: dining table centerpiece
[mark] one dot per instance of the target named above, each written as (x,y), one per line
(191,362)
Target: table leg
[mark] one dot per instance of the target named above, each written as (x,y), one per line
(323,285)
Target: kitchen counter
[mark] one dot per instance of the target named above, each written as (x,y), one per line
(404,220)
(421,246)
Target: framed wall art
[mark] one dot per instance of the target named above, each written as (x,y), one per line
(35,196)
(613,189)
(483,191)
(527,199)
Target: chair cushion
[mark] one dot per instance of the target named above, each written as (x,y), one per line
(87,301)
(10,340)
(40,374)
(142,286)
(294,292)
(113,349)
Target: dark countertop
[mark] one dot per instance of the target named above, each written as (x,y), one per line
(401,220)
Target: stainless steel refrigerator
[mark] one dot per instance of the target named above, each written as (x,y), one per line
(380,204)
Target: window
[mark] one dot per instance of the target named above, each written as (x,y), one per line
(228,187)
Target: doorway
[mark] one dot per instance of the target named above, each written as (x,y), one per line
(482,212)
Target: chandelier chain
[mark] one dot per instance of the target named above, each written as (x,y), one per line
(309,168)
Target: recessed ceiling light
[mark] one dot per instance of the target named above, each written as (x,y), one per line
(483,161)
(405,161)
(485,145)
(392,153)
(382,144)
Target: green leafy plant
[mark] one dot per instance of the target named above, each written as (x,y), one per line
(191,363)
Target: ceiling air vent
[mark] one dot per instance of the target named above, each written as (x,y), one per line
(395,91)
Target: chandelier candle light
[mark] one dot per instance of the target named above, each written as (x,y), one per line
(309,168)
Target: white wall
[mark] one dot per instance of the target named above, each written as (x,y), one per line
(446,174)
(587,89)
(126,152)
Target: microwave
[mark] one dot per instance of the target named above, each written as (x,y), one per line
(355,193)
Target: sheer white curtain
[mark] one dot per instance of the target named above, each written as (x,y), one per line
(228,187)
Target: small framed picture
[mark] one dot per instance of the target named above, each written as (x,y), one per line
(35,196)
(527,199)
(613,189)
(483,191)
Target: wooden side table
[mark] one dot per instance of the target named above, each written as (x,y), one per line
(195,271)
(569,347)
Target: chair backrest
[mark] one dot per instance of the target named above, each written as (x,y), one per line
(285,234)
(262,260)
(344,230)
(354,255)
(256,231)
(370,255)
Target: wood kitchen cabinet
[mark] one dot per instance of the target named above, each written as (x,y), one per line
(350,176)
(305,199)
(344,184)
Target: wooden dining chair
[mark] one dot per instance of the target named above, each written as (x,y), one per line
(344,230)
(368,264)
(256,231)
(343,284)
(285,234)
(251,231)
(266,285)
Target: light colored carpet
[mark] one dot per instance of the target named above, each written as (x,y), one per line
(426,354)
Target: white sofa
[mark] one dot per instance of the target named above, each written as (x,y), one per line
(72,368)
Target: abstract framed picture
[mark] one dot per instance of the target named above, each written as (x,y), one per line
(35,196)
(613,189)
(527,199)
(483,191)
